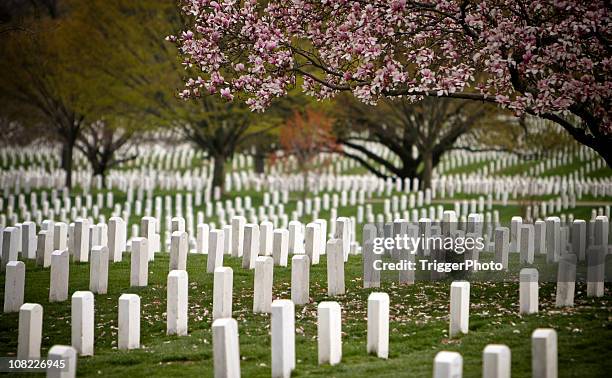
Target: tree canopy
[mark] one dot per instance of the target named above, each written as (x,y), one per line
(550,59)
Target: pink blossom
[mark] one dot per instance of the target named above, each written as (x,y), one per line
(545,59)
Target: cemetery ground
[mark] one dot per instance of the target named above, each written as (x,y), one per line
(419,316)
(418,328)
(419,313)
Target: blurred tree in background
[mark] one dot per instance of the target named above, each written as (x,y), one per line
(304,136)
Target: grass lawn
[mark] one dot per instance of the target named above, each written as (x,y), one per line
(418,329)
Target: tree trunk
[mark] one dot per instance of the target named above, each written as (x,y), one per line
(219,172)
(604,149)
(67,153)
(305,183)
(100,170)
(260,163)
(427,170)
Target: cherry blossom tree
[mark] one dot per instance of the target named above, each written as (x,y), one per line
(549,58)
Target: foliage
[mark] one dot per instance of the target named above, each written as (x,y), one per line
(306,135)
(541,57)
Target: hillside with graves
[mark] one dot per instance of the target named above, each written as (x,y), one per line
(158,273)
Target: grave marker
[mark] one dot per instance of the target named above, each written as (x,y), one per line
(30,331)
(226,349)
(329,332)
(14,285)
(215,251)
(459,308)
(139,263)
(448,365)
(378,324)
(177,302)
(222,293)
(300,279)
(280,247)
(83,322)
(262,287)
(98,270)
(62,353)
(544,353)
(58,284)
(335,268)
(528,291)
(283,338)
(179,247)
(496,361)
(129,322)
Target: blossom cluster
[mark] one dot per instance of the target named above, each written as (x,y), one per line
(540,56)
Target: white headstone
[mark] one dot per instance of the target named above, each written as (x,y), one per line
(596,267)
(459,308)
(44,249)
(262,287)
(501,246)
(222,293)
(553,239)
(544,353)
(30,331)
(528,291)
(566,280)
(147,231)
(83,322)
(329,332)
(60,353)
(496,361)
(283,338)
(203,231)
(60,236)
(312,243)
(335,268)
(448,365)
(14,286)
(226,350)
(300,279)
(378,324)
(179,247)
(9,246)
(265,238)
(98,270)
(117,233)
(81,240)
(525,240)
(129,322)
(296,238)
(280,247)
(238,223)
(58,284)
(215,251)
(250,245)
(139,263)
(176,303)
(343,233)
(28,240)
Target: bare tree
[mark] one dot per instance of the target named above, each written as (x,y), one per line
(431,126)
(105,147)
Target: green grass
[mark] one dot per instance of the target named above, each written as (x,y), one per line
(418,328)
(604,172)
(467,168)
